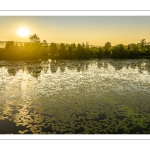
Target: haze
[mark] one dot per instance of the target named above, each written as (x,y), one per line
(97,30)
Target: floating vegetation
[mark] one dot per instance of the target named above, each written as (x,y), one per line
(75,97)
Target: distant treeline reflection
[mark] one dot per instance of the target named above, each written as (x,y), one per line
(35,68)
(37,49)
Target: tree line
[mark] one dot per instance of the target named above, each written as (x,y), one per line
(37,49)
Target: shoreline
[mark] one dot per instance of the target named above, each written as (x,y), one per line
(46,58)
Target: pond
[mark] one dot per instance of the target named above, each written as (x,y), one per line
(97,96)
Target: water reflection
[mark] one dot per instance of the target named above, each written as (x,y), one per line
(35,68)
(71,96)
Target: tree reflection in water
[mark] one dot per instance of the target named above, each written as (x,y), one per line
(75,96)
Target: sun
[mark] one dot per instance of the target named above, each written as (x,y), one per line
(23,32)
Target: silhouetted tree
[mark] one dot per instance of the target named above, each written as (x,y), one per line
(87,50)
(53,50)
(119,51)
(148,48)
(44,48)
(34,49)
(70,52)
(34,38)
(143,46)
(12,51)
(133,50)
(74,48)
(62,51)
(100,52)
(107,49)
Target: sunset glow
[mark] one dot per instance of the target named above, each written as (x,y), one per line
(97,30)
(23,32)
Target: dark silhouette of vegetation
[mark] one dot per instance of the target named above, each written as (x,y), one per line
(35,49)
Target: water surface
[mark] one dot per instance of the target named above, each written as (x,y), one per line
(75,96)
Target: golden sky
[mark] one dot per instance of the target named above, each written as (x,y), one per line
(97,30)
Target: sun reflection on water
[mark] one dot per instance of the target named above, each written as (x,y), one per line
(86,96)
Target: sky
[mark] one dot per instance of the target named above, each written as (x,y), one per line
(97,30)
